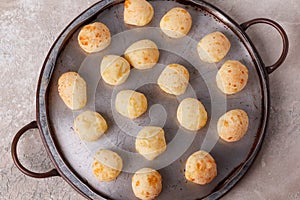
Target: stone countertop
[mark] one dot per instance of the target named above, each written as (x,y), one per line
(29,27)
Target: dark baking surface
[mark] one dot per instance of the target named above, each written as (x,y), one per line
(55,120)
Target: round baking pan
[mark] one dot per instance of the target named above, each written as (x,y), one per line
(72,157)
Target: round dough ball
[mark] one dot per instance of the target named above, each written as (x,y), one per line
(233,125)
(200,168)
(191,114)
(142,54)
(213,47)
(90,126)
(146,184)
(131,104)
(94,37)
(138,12)
(174,79)
(114,69)
(176,23)
(72,90)
(150,142)
(107,165)
(232,77)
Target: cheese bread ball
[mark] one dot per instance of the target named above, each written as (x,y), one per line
(233,125)
(213,47)
(72,90)
(137,12)
(146,184)
(131,104)
(174,79)
(142,54)
(232,77)
(90,126)
(191,114)
(114,69)
(94,37)
(107,165)
(200,168)
(176,23)
(150,142)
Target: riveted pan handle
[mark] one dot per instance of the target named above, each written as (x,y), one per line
(32,125)
(282,33)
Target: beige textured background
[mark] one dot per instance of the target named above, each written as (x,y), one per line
(29,27)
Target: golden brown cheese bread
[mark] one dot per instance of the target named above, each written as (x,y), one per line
(176,23)
(114,69)
(94,37)
(138,12)
(72,90)
(146,184)
(232,77)
(150,142)
(90,126)
(107,165)
(142,54)
(191,114)
(233,125)
(200,168)
(213,47)
(174,79)
(130,103)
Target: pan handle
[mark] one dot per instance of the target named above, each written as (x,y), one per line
(282,33)
(32,125)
